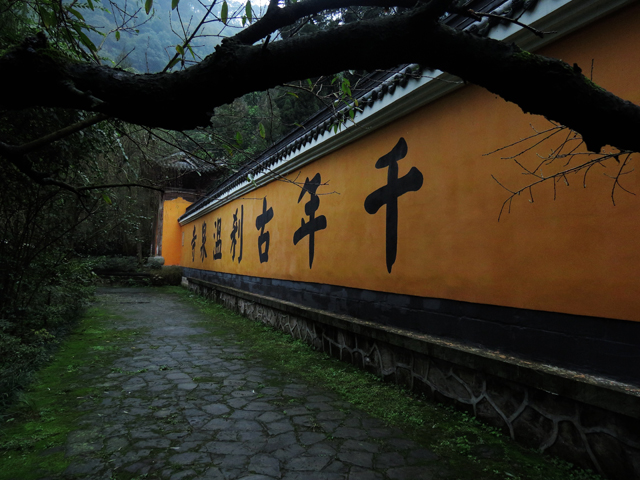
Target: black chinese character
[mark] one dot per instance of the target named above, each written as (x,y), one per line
(314,224)
(193,245)
(263,239)
(217,252)
(203,249)
(237,233)
(388,195)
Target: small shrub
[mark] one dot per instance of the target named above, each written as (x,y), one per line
(28,333)
(167,275)
(105,265)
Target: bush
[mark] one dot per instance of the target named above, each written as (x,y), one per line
(106,265)
(167,276)
(29,332)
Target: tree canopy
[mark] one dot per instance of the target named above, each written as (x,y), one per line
(264,49)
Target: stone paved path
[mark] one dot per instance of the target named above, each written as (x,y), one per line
(183,405)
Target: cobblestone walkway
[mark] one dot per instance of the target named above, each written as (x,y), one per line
(181,404)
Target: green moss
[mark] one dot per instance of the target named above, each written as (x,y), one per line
(57,55)
(33,431)
(593,85)
(530,59)
(524,55)
(207,379)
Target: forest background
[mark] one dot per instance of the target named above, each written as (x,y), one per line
(52,237)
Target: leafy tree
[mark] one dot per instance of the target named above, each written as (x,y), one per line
(45,224)
(256,57)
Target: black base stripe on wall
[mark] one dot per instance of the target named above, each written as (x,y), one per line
(593,345)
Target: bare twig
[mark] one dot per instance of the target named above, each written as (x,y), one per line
(557,153)
(118,185)
(479,15)
(19,150)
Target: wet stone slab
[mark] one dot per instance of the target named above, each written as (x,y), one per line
(183,405)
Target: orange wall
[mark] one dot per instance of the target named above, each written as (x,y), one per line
(171,230)
(577,254)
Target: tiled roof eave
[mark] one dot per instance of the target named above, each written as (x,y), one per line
(402,92)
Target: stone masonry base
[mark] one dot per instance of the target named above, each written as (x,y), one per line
(592,422)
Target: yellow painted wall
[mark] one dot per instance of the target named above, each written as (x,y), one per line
(578,254)
(171,230)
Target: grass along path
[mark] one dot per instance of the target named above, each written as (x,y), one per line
(474,450)
(34,431)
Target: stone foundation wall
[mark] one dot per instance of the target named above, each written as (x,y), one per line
(595,346)
(594,423)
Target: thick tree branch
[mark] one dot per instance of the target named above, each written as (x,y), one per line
(277,18)
(118,185)
(537,84)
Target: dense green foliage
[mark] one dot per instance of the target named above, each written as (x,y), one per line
(53,206)
(46,228)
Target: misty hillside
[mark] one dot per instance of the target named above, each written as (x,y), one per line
(146,43)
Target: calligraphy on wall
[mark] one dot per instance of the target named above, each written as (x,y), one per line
(264,237)
(194,239)
(314,224)
(236,234)
(203,248)
(389,193)
(386,196)
(217,236)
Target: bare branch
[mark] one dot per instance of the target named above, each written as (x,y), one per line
(479,15)
(277,18)
(118,185)
(561,175)
(616,179)
(191,37)
(19,150)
